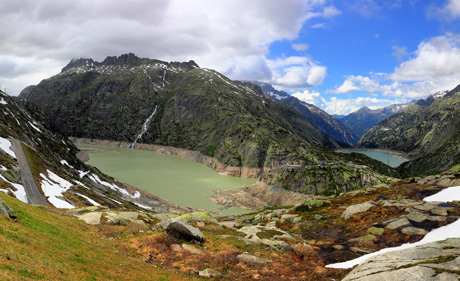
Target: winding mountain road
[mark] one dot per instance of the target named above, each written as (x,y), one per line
(33,194)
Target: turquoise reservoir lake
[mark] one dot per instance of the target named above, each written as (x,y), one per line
(392,159)
(170,177)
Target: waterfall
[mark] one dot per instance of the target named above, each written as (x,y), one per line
(144,127)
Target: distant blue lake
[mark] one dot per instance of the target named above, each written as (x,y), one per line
(390,158)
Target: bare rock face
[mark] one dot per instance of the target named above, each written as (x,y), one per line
(433,261)
(355,209)
(179,228)
(5,209)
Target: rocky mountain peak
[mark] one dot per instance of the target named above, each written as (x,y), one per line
(125,62)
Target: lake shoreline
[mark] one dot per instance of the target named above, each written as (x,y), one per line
(398,154)
(198,157)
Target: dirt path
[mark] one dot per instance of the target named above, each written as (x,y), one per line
(33,194)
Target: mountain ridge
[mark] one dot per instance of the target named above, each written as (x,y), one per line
(314,115)
(198,109)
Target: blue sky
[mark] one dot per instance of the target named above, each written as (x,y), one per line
(338,55)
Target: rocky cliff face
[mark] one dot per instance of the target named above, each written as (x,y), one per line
(328,124)
(128,98)
(428,131)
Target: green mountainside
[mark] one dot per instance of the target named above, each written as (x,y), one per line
(130,99)
(179,104)
(428,131)
(61,178)
(364,119)
(328,124)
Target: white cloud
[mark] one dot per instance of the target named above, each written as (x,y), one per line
(433,67)
(319,25)
(436,58)
(451,9)
(346,106)
(303,76)
(300,47)
(357,83)
(399,52)
(311,97)
(206,31)
(330,12)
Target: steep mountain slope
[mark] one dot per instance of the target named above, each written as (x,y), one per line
(315,116)
(127,98)
(33,158)
(428,130)
(363,119)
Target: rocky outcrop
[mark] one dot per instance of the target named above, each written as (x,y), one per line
(355,209)
(5,210)
(180,229)
(325,178)
(433,261)
(256,196)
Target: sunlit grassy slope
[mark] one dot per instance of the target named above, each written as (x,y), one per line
(40,245)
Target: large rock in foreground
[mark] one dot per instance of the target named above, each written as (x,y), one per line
(433,261)
(178,228)
(5,209)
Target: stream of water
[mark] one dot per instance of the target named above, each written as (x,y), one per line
(170,177)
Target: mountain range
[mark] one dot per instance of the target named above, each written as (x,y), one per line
(364,118)
(427,130)
(314,115)
(175,104)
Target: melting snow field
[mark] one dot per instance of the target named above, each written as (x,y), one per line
(5,145)
(448,231)
(20,192)
(53,186)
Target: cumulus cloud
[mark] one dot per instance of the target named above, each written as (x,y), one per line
(346,106)
(206,31)
(305,75)
(433,67)
(450,9)
(341,106)
(311,97)
(435,58)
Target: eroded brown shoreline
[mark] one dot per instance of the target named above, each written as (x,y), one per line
(222,169)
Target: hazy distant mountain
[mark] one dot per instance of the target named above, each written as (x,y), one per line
(315,116)
(363,119)
(428,130)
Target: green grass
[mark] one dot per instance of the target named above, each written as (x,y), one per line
(43,245)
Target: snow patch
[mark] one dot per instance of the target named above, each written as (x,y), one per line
(109,185)
(6,145)
(2,101)
(35,127)
(438,234)
(82,174)
(89,200)
(53,186)
(20,192)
